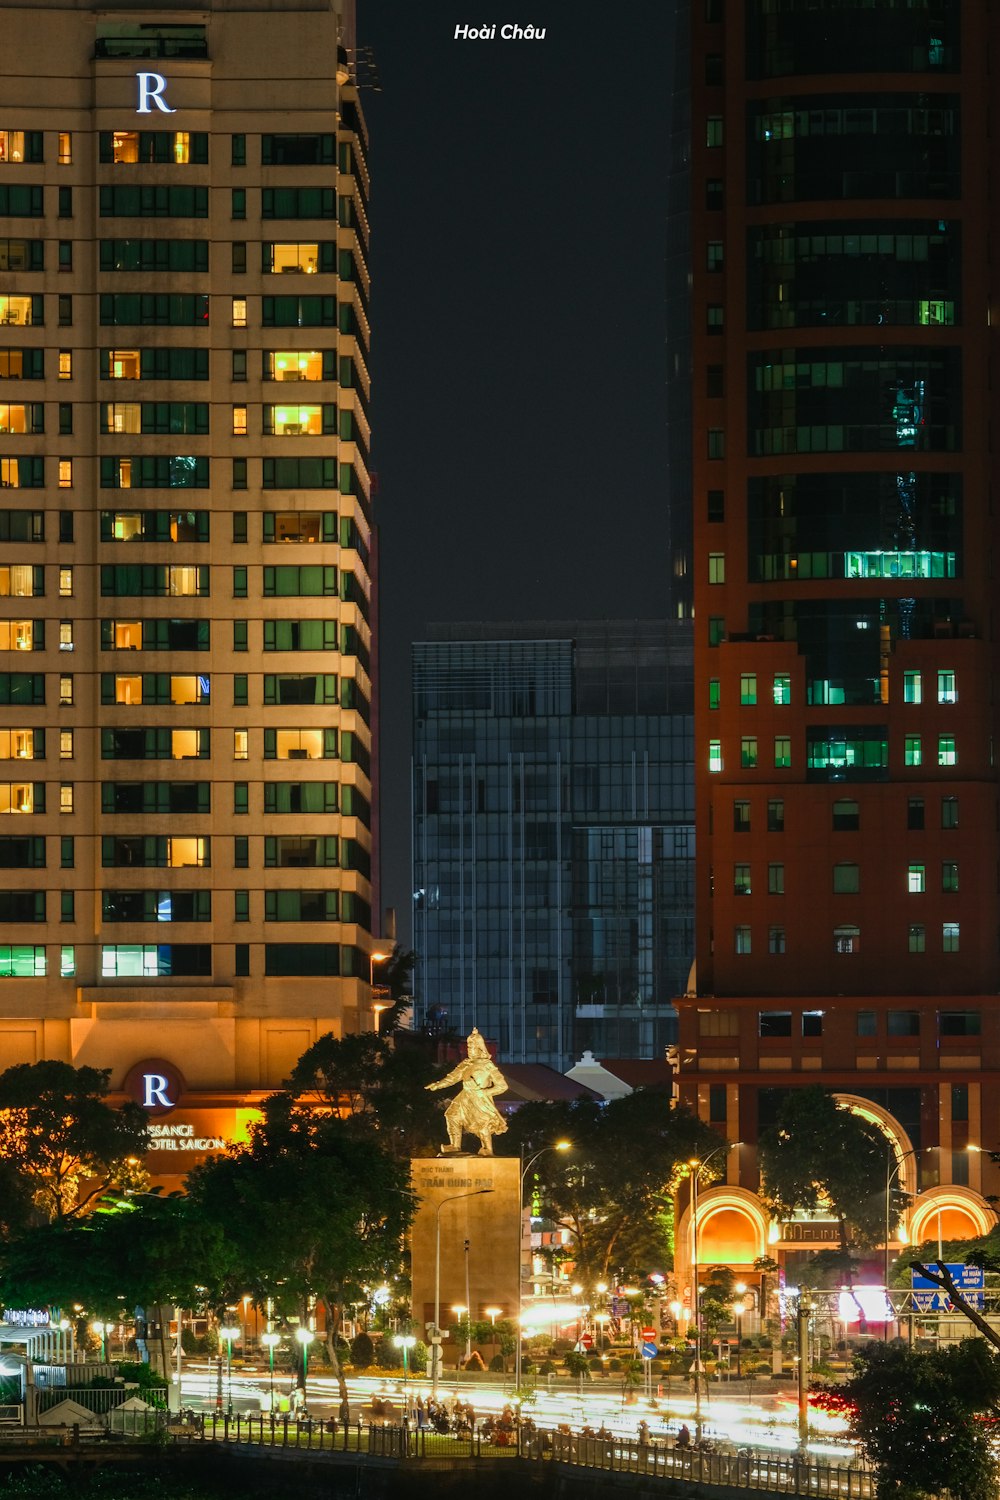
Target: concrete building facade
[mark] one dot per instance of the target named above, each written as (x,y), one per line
(845,647)
(186,583)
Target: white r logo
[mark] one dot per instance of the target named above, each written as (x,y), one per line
(155,1087)
(151,86)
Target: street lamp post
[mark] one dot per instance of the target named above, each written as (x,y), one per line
(526,1167)
(468,1308)
(493,1313)
(102,1330)
(305,1337)
(229,1334)
(738,1320)
(373,959)
(698,1165)
(405,1341)
(436,1334)
(461,1310)
(271,1340)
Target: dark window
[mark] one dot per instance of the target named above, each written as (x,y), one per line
(959,1022)
(902,1023)
(915,813)
(867,1023)
(775,1023)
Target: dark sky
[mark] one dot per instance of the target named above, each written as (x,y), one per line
(518,219)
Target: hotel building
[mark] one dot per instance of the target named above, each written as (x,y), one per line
(844,344)
(185,577)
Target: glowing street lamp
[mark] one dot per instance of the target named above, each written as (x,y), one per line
(271,1340)
(526,1167)
(229,1335)
(377,1007)
(405,1341)
(101,1329)
(305,1337)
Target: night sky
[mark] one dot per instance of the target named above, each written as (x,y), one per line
(519,222)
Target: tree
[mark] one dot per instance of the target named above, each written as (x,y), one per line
(378,1084)
(61,1137)
(918,1418)
(310,1209)
(614,1190)
(820,1156)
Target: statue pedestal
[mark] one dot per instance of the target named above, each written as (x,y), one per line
(490,1222)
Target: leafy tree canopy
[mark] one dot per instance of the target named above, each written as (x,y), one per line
(62,1138)
(614,1189)
(378,1084)
(819,1156)
(919,1418)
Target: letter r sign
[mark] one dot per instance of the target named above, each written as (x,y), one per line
(151,87)
(154,1091)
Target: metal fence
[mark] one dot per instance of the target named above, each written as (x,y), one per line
(750,1469)
(99,1401)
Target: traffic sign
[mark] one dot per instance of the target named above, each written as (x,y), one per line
(649,1333)
(649,1351)
(587,1341)
(970,1281)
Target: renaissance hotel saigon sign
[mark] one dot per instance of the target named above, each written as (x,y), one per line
(178,1132)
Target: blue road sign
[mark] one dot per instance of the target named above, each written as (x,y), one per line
(649,1351)
(970,1281)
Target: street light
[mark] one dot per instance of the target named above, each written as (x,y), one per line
(373,959)
(436,1335)
(229,1334)
(305,1337)
(698,1165)
(526,1167)
(405,1341)
(271,1340)
(461,1309)
(738,1310)
(493,1313)
(101,1329)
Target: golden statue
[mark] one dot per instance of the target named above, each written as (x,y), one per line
(472,1110)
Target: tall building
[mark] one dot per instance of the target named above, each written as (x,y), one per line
(846,647)
(185,587)
(552,834)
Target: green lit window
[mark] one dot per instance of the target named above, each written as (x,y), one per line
(748,752)
(741,880)
(22,961)
(716,630)
(947,754)
(916,938)
(947,690)
(716,567)
(846,879)
(748,688)
(949,937)
(782,752)
(782,689)
(912,750)
(916,880)
(715,755)
(67,961)
(713,692)
(912,687)
(713,131)
(742,939)
(949,875)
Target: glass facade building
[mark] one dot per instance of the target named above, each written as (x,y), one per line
(553,835)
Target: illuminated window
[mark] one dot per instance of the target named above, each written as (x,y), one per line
(847,939)
(296,421)
(67,961)
(17,635)
(124,364)
(916,938)
(748,688)
(18,744)
(741,880)
(782,751)
(128,689)
(949,937)
(278,258)
(65,473)
(715,755)
(65,364)
(12,146)
(743,940)
(239,421)
(185,853)
(748,752)
(19,312)
(65,744)
(716,630)
(18,581)
(947,754)
(713,692)
(782,688)
(912,750)
(716,567)
(65,635)
(293,364)
(949,875)
(122,416)
(916,882)
(22,962)
(65,583)
(18,797)
(65,154)
(241,744)
(912,687)
(239,312)
(66,797)
(946,687)
(66,692)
